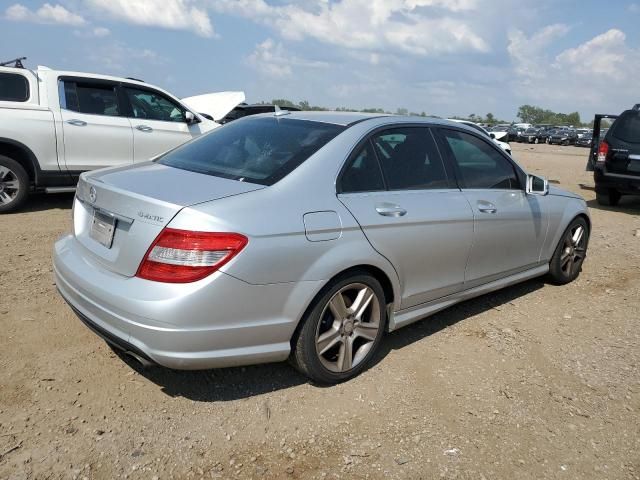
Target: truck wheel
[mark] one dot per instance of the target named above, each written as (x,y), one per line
(608,198)
(14,184)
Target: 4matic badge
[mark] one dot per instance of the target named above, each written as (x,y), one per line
(152,218)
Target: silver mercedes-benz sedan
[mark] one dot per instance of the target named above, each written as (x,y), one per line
(307,236)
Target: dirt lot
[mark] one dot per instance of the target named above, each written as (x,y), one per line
(535,381)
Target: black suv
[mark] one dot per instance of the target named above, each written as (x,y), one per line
(615,159)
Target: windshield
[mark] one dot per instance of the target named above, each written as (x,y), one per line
(531,130)
(259,150)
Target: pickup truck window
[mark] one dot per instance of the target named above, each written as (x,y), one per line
(153,106)
(13,87)
(91,98)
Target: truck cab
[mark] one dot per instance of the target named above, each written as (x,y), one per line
(55,125)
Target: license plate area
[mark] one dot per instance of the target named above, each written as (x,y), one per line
(103,228)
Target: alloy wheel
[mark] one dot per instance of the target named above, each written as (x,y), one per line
(573,250)
(348,327)
(9,185)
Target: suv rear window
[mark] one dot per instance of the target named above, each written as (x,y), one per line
(627,127)
(259,150)
(13,87)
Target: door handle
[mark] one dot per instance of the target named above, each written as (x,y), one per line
(390,210)
(77,123)
(486,207)
(144,128)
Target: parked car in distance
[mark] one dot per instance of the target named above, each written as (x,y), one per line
(585,141)
(615,160)
(580,132)
(530,135)
(544,134)
(501,132)
(244,110)
(503,145)
(294,236)
(515,133)
(55,125)
(563,136)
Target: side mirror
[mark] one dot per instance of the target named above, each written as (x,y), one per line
(190,118)
(492,135)
(537,185)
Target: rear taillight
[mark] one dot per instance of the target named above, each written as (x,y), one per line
(183,256)
(603,151)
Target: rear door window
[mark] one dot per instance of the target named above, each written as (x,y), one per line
(13,87)
(410,159)
(627,127)
(259,150)
(91,98)
(363,173)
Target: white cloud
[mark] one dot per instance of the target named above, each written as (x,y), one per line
(97,32)
(271,59)
(100,32)
(604,55)
(399,25)
(596,75)
(527,52)
(47,13)
(118,58)
(172,14)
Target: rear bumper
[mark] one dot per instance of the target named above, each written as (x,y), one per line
(219,321)
(627,184)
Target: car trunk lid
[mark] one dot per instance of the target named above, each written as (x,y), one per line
(119,212)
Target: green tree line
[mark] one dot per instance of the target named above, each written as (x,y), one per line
(537,115)
(526,113)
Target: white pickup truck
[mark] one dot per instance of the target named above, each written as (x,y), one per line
(55,125)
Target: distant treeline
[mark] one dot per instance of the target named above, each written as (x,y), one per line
(526,113)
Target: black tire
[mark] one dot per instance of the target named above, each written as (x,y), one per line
(12,174)
(304,355)
(608,198)
(567,260)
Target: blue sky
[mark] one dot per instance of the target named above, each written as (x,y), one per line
(443,57)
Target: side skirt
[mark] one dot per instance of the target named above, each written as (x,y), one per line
(405,317)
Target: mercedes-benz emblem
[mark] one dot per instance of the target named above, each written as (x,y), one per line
(93,195)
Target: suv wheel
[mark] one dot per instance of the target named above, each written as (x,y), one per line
(608,198)
(566,263)
(342,330)
(14,184)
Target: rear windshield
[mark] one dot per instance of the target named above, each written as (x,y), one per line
(259,150)
(13,87)
(627,127)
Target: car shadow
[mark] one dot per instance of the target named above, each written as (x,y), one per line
(39,202)
(629,204)
(227,384)
(446,318)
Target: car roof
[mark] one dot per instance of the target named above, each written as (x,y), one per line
(337,118)
(347,119)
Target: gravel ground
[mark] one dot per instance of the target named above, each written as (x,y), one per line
(535,381)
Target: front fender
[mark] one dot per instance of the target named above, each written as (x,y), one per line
(562,211)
